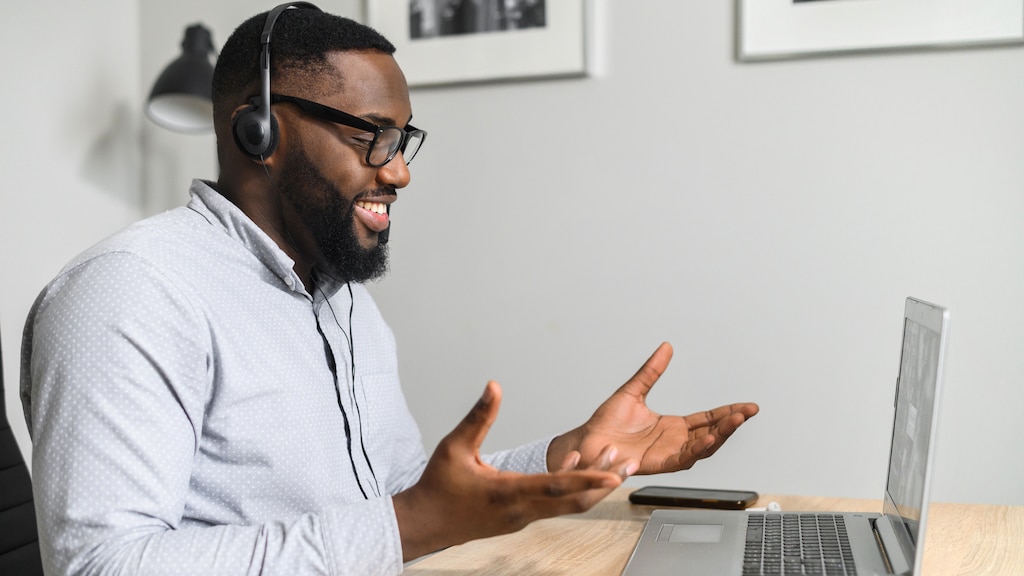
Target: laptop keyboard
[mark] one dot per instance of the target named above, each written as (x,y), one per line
(793,543)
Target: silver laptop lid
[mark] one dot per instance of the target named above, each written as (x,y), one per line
(914,424)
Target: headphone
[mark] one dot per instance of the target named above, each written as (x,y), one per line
(254,127)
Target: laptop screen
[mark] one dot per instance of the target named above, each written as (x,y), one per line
(913,423)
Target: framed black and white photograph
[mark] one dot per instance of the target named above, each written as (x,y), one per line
(456,41)
(777,29)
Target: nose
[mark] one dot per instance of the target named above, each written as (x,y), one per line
(395,172)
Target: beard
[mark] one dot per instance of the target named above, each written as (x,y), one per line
(330,218)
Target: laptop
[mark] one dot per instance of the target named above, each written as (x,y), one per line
(690,541)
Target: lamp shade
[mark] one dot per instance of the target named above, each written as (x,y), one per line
(180,99)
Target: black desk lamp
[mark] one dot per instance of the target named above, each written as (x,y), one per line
(180,99)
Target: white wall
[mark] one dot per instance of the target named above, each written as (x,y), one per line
(766,219)
(70,161)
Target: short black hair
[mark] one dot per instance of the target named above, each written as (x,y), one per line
(300,41)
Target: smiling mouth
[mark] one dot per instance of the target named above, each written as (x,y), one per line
(375,207)
(373,215)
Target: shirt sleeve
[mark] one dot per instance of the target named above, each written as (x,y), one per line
(115,397)
(529,459)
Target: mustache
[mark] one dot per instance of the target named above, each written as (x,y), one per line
(381,192)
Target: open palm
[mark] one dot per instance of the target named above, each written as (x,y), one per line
(659,443)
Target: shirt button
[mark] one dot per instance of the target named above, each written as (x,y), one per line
(289,281)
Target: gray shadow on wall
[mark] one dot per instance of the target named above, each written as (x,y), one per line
(113,164)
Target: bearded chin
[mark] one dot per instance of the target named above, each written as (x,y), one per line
(343,256)
(331,220)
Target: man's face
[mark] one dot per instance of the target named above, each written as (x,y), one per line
(337,201)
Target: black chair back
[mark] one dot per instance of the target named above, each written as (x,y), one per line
(19,540)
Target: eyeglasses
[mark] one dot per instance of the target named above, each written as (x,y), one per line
(387,140)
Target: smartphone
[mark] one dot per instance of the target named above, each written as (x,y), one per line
(693,497)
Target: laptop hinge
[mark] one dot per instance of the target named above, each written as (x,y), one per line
(881,547)
(885,538)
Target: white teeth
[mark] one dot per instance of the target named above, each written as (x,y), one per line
(376,207)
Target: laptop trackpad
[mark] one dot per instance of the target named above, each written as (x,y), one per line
(690,543)
(691,533)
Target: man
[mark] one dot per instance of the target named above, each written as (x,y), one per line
(213,391)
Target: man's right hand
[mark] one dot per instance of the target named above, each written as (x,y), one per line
(459,498)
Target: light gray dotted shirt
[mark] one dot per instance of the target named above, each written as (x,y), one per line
(193,409)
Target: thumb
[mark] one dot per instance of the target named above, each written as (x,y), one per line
(474,427)
(642,382)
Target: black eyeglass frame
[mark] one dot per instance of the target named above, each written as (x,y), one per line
(345,119)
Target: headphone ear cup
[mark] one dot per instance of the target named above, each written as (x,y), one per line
(252,135)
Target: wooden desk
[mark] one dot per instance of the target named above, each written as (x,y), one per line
(962,539)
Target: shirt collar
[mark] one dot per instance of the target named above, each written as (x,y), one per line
(220,211)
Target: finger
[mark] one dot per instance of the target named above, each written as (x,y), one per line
(576,501)
(571,461)
(713,417)
(642,382)
(566,490)
(726,428)
(474,427)
(707,440)
(523,498)
(608,460)
(707,443)
(565,485)
(605,459)
(696,449)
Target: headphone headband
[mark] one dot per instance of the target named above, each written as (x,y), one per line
(273,15)
(254,129)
